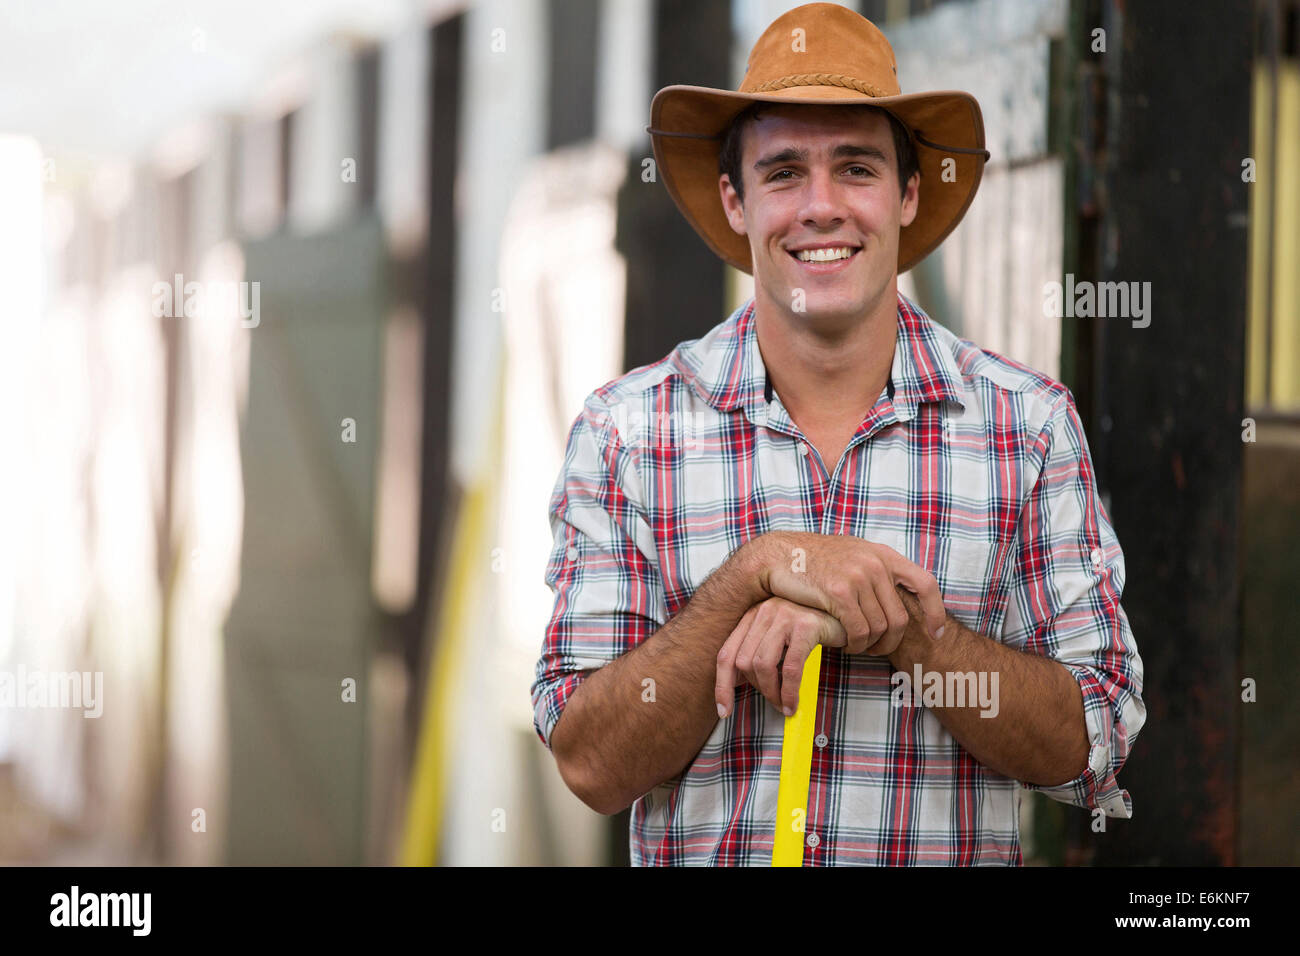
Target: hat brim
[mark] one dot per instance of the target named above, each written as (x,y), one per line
(687,123)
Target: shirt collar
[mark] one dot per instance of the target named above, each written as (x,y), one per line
(924,367)
(731,374)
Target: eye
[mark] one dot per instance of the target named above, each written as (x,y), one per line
(773,177)
(865,169)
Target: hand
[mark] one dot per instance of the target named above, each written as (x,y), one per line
(915,640)
(768,649)
(853,580)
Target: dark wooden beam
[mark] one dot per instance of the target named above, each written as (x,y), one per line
(574,27)
(437,309)
(676,286)
(1168,404)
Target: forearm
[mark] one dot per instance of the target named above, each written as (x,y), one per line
(619,737)
(1038,734)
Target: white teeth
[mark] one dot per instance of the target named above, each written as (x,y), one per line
(824,255)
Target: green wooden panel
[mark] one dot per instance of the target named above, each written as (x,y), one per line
(303,619)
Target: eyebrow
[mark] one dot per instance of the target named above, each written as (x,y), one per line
(792,154)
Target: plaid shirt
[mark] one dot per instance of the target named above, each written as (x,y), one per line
(971,465)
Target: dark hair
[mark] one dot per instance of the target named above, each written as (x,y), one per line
(729,155)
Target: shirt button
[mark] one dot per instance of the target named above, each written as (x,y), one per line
(813,840)
(821,740)
(1096,557)
(572,554)
(803,448)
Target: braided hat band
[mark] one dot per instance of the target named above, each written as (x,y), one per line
(819,79)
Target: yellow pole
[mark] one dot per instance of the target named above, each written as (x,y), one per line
(456,624)
(796,768)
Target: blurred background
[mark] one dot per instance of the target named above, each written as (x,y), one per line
(300,300)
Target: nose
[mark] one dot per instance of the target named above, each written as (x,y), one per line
(823,200)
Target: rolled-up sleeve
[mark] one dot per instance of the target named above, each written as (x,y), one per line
(603,567)
(1065,605)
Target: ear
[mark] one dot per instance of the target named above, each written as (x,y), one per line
(911,200)
(732,205)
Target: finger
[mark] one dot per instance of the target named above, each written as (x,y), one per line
(875,616)
(891,604)
(923,584)
(829,631)
(724,688)
(796,656)
(769,650)
(749,647)
(846,607)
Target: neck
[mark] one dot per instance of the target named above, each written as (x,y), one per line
(831,368)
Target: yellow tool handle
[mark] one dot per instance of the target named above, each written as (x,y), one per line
(796,768)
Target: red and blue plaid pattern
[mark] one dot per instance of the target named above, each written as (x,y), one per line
(970,464)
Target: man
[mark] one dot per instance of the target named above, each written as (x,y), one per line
(829,466)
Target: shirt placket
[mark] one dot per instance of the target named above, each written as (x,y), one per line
(829,513)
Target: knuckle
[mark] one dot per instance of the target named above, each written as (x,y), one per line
(841,590)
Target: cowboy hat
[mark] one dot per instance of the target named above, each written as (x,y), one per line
(822,54)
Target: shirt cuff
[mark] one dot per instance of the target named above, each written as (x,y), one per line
(1096,787)
(551,701)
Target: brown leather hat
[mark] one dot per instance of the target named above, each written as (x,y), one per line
(822,54)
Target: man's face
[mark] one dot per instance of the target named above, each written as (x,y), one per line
(820,178)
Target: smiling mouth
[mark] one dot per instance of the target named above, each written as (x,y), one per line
(814,256)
